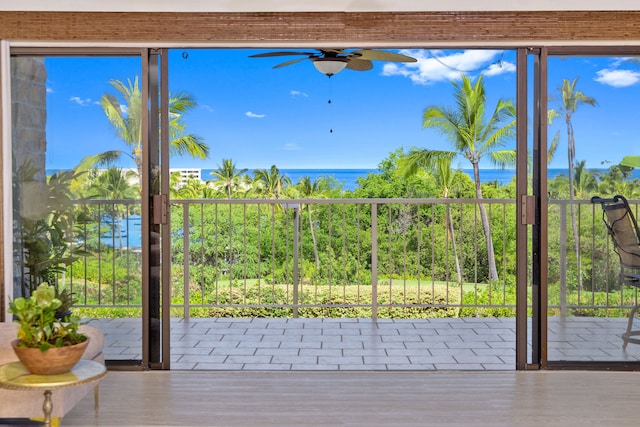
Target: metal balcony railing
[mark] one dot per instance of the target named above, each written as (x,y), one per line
(350,257)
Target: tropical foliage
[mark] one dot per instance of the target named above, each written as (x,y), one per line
(571,99)
(474,136)
(124,112)
(250,244)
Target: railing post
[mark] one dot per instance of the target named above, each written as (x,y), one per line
(185,261)
(563,260)
(296,277)
(374,261)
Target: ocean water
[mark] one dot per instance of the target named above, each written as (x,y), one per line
(129,236)
(349,177)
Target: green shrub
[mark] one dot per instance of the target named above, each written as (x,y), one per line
(347,302)
(495,300)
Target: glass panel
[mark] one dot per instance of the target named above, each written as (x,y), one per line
(420,253)
(76,163)
(594,120)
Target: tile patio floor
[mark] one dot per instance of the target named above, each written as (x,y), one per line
(361,344)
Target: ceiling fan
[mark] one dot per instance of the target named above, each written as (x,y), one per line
(332,61)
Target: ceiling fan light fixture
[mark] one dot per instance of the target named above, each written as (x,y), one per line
(330,66)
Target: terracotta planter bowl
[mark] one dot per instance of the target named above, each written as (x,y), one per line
(51,362)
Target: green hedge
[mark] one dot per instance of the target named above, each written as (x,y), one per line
(348,302)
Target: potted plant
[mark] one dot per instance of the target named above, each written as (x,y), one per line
(46,344)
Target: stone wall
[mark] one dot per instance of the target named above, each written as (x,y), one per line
(29,111)
(29,143)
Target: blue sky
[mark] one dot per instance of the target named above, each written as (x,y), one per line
(259,116)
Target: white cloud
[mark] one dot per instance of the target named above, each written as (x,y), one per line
(617,62)
(254,115)
(298,93)
(291,147)
(80,101)
(617,78)
(49,90)
(500,68)
(208,108)
(436,66)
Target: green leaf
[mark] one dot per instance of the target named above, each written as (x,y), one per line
(631,161)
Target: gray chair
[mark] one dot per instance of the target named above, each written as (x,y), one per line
(623,229)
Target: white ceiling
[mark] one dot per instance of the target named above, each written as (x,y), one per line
(312,5)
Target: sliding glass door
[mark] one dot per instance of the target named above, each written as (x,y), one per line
(586,147)
(82,189)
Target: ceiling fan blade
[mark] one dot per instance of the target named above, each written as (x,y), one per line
(358,64)
(333,52)
(270,54)
(359,60)
(293,61)
(382,55)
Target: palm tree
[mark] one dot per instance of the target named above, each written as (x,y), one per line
(440,163)
(175,182)
(270,183)
(126,119)
(115,184)
(571,100)
(585,180)
(196,189)
(228,177)
(475,137)
(309,190)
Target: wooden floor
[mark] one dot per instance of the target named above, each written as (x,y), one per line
(295,398)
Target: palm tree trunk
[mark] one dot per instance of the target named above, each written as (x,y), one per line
(486,227)
(118,229)
(574,226)
(453,241)
(315,243)
(138,161)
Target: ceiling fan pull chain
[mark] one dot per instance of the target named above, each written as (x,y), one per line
(329,102)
